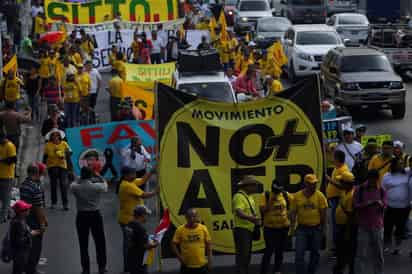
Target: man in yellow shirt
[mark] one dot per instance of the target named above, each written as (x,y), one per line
(11,87)
(273,86)
(8,159)
(308,210)
(274,209)
(85,83)
(334,190)
(71,90)
(245,219)
(120,66)
(115,90)
(346,228)
(130,195)
(382,161)
(40,25)
(192,244)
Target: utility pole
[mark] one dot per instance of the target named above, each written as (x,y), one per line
(25,18)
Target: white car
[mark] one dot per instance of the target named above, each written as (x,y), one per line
(214,86)
(351,26)
(247,13)
(306,46)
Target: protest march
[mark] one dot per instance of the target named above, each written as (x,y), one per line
(204,136)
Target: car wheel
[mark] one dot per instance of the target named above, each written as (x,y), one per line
(399,111)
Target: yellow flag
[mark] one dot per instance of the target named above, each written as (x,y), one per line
(142,99)
(11,65)
(222,21)
(212,27)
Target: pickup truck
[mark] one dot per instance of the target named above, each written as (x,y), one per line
(395,41)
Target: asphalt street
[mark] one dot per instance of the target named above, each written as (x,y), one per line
(61,251)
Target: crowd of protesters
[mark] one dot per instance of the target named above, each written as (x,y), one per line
(366,196)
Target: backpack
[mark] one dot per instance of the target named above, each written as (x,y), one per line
(6,251)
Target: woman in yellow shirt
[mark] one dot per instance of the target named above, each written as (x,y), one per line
(83,78)
(275,210)
(57,159)
(71,90)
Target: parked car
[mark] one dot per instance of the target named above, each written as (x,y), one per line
(304,11)
(339,6)
(363,78)
(306,45)
(351,26)
(248,12)
(229,7)
(270,29)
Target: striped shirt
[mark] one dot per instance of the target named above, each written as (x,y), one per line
(32,192)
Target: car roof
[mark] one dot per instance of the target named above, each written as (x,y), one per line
(357,51)
(273,18)
(349,14)
(201,78)
(314,27)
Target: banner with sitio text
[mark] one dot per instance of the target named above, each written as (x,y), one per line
(92,12)
(207,147)
(108,140)
(145,76)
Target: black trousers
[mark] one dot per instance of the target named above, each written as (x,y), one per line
(20,259)
(86,222)
(198,270)
(114,107)
(58,177)
(155,58)
(243,246)
(346,242)
(395,218)
(275,241)
(34,255)
(93,100)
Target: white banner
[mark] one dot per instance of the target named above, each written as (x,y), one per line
(105,40)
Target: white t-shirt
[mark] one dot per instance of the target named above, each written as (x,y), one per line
(95,77)
(162,35)
(350,149)
(35,10)
(398,189)
(138,162)
(157,45)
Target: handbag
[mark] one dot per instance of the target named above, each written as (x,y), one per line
(256,230)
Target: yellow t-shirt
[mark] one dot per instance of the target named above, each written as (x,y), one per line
(87,46)
(39,25)
(76,59)
(135,49)
(53,63)
(7,150)
(233,43)
(345,205)
(130,195)
(71,92)
(56,154)
(112,58)
(121,68)
(277,216)
(308,208)
(378,162)
(44,70)
(12,89)
(192,243)
(85,84)
(115,87)
(224,51)
(331,190)
(276,87)
(241,202)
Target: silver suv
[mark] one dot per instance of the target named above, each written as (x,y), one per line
(363,78)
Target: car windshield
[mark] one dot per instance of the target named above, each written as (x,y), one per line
(365,63)
(352,20)
(215,91)
(307,2)
(317,38)
(274,25)
(253,6)
(230,2)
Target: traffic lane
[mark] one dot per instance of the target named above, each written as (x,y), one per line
(381,122)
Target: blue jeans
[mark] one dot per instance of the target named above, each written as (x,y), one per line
(307,238)
(333,204)
(72,112)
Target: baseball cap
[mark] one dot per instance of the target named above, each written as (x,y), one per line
(141,210)
(398,144)
(21,206)
(347,177)
(348,130)
(311,179)
(42,167)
